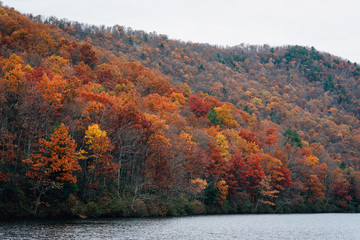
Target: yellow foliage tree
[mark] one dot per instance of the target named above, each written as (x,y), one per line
(97,141)
(225,116)
(98,161)
(312,160)
(177,98)
(13,79)
(188,139)
(222,188)
(223,146)
(198,185)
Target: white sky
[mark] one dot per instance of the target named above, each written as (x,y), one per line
(332,26)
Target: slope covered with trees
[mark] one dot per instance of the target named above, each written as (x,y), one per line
(107,121)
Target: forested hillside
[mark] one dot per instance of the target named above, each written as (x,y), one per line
(108,121)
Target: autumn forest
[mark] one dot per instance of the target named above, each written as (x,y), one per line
(102,121)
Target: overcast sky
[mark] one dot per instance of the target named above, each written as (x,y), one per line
(329,25)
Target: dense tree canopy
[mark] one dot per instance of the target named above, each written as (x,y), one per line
(98,121)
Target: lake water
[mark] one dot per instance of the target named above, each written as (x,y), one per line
(292,226)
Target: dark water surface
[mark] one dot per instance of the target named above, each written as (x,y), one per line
(292,226)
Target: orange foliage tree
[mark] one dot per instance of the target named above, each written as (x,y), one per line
(54,164)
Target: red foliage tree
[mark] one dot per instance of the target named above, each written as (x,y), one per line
(245,175)
(88,55)
(249,136)
(217,166)
(198,106)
